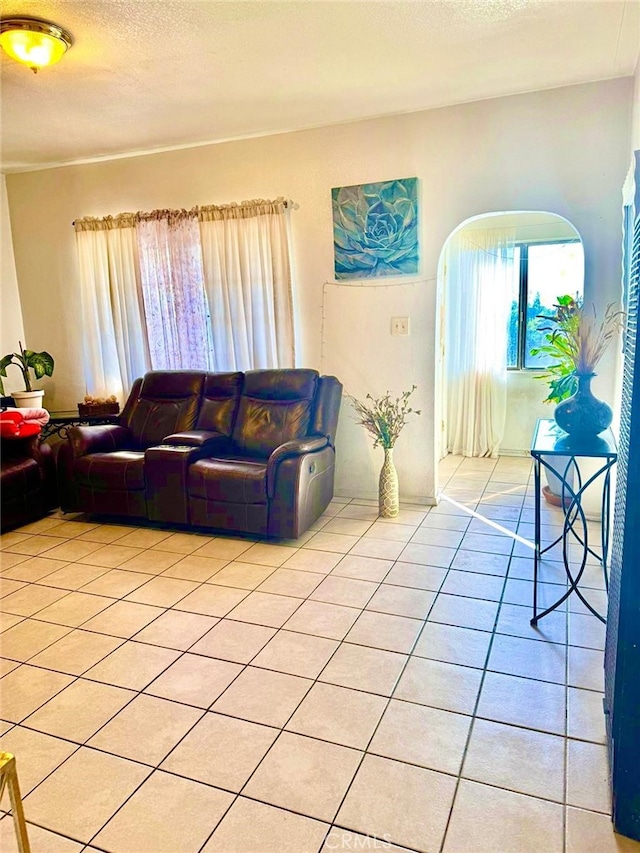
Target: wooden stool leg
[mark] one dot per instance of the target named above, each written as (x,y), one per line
(9,779)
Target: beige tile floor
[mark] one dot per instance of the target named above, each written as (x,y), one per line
(375,685)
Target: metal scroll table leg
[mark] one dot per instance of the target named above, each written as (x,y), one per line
(536,552)
(575,530)
(604,521)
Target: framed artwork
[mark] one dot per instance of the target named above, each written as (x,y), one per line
(375,229)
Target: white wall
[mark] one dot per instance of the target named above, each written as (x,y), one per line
(635,134)
(563,151)
(11,326)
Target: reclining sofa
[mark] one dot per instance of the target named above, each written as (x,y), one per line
(249,452)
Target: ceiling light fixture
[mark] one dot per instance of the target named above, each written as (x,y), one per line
(34,42)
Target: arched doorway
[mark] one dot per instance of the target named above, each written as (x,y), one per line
(497,273)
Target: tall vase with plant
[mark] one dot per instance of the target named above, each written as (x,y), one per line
(576,340)
(41,363)
(384,419)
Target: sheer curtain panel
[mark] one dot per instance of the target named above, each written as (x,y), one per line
(115,343)
(247,274)
(175,302)
(479,271)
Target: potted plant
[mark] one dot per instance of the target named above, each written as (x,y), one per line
(560,374)
(575,341)
(42,365)
(384,418)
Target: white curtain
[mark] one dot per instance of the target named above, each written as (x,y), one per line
(247,277)
(479,270)
(175,302)
(115,344)
(205,289)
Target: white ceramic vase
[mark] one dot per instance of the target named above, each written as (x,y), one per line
(388,501)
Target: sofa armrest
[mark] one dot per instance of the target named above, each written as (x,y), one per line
(97,439)
(166,472)
(21,446)
(297,447)
(206,440)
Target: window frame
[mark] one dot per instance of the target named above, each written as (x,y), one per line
(523,299)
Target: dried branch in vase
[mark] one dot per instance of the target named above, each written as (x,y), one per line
(384,417)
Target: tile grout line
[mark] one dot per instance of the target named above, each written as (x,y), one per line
(314,682)
(138,693)
(202,716)
(362,609)
(475,709)
(391,695)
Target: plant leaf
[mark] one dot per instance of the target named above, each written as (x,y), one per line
(4,363)
(41,363)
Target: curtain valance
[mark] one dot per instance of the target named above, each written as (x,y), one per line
(203,213)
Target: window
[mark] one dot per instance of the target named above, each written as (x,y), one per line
(542,272)
(205,289)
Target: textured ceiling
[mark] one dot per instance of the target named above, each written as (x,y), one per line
(151,74)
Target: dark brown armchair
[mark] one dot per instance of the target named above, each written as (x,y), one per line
(27,481)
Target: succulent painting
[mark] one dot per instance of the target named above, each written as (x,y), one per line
(375,229)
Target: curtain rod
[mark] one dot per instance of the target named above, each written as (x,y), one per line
(288,203)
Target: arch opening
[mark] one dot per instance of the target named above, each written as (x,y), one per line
(497,273)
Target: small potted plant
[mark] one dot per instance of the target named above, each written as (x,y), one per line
(42,365)
(384,419)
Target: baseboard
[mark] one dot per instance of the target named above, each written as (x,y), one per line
(420,500)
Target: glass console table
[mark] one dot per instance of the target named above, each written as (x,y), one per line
(560,453)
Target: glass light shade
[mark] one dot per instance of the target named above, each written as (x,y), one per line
(33,43)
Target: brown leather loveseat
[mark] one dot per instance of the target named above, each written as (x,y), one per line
(250,452)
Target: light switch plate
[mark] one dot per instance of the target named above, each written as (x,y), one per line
(399,325)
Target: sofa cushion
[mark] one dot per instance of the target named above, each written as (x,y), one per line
(229,480)
(275,407)
(220,397)
(168,402)
(284,384)
(120,470)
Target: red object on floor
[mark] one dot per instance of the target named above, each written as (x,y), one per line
(551,498)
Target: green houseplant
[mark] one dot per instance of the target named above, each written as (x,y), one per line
(384,419)
(575,341)
(41,363)
(560,374)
